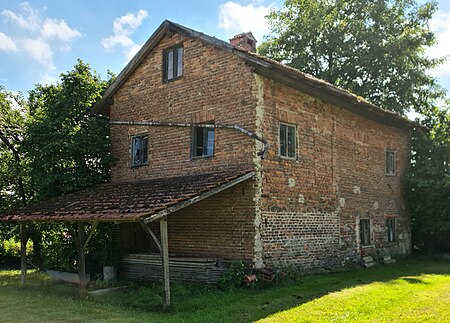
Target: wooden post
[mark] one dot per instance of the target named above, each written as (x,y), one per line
(165,261)
(23,252)
(81,260)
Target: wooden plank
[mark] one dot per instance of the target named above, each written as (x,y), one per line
(151,234)
(165,261)
(23,253)
(182,205)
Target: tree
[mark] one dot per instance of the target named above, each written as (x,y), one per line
(51,146)
(429,183)
(67,144)
(375,49)
(13,164)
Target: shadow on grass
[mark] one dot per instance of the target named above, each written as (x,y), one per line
(413,280)
(192,302)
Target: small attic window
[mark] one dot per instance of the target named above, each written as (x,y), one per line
(172,63)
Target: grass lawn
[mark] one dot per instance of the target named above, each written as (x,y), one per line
(410,291)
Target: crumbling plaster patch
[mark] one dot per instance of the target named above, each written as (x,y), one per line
(257,161)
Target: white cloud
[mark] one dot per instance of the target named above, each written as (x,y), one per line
(441,25)
(235,18)
(132,51)
(48,78)
(40,51)
(58,29)
(123,28)
(7,44)
(30,21)
(37,35)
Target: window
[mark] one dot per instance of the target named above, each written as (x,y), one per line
(364,231)
(202,142)
(139,154)
(172,64)
(390,163)
(390,230)
(287,140)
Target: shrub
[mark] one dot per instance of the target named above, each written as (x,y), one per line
(233,276)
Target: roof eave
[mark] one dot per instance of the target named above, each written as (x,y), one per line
(296,79)
(332,94)
(132,64)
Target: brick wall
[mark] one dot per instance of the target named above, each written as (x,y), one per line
(303,212)
(216,86)
(220,227)
(339,174)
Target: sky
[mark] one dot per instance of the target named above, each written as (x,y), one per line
(40,39)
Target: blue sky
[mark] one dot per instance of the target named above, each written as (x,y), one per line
(41,39)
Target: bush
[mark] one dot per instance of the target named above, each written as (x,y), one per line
(10,248)
(233,276)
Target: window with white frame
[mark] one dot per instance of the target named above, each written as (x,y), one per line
(287,140)
(390,163)
(139,153)
(202,142)
(172,63)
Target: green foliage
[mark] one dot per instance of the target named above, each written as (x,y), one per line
(375,49)
(58,248)
(13,164)
(51,146)
(11,248)
(67,145)
(429,184)
(233,276)
(103,248)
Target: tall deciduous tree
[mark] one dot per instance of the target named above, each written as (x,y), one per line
(67,145)
(429,183)
(13,164)
(375,49)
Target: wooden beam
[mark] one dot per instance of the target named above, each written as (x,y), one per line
(23,252)
(91,233)
(152,235)
(81,260)
(182,205)
(165,262)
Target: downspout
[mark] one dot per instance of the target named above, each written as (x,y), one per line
(262,153)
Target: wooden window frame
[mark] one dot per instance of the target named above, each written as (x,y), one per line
(133,139)
(175,63)
(204,148)
(391,229)
(287,125)
(387,171)
(363,231)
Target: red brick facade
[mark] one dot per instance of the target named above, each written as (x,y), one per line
(311,206)
(304,211)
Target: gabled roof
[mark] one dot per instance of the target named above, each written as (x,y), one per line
(267,68)
(129,201)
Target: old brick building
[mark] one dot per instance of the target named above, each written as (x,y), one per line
(329,189)
(247,159)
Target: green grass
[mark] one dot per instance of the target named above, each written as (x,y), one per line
(409,291)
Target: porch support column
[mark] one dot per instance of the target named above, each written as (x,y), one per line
(81,260)
(165,261)
(82,241)
(23,252)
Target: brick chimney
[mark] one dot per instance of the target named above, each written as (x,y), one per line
(245,41)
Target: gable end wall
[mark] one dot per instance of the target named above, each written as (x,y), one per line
(311,206)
